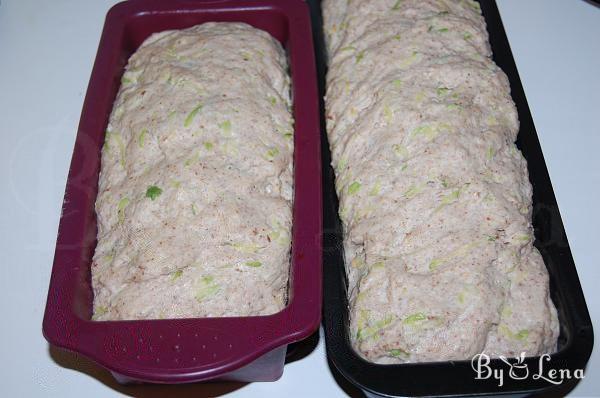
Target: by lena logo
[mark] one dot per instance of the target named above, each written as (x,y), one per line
(518,370)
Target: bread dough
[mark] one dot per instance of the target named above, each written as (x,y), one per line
(435,199)
(195,192)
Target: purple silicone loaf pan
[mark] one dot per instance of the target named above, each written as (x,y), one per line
(196,349)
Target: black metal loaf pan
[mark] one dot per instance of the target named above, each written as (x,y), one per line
(457,378)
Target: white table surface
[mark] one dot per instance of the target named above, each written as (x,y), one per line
(46,53)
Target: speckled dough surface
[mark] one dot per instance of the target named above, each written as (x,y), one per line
(195,191)
(435,198)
